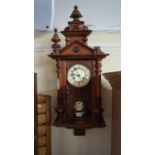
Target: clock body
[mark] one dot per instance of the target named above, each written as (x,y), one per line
(79,78)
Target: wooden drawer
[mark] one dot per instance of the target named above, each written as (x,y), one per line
(41,98)
(41,119)
(42,151)
(43,125)
(42,141)
(42,130)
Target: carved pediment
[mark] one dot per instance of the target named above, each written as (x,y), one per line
(76,48)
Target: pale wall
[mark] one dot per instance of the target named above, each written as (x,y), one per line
(96,141)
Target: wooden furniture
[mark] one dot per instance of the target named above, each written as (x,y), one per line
(44,123)
(115,81)
(79,78)
(35,116)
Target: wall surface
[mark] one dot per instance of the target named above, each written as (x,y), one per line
(54,13)
(99,15)
(96,141)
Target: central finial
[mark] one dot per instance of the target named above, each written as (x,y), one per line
(75,26)
(76,7)
(76,13)
(55,30)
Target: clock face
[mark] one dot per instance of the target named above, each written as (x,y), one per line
(78,75)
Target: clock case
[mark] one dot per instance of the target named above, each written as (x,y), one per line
(76,51)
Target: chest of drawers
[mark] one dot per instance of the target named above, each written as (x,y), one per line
(43,124)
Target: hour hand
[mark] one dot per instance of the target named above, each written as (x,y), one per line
(73,74)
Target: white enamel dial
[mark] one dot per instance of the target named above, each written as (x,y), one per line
(78,75)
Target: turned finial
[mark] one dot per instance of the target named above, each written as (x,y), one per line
(76,7)
(55,30)
(76,13)
(56,40)
(55,37)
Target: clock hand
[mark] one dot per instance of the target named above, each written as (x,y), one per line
(73,74)
(76,71)
(78,75)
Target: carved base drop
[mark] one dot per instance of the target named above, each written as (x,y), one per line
(79,132)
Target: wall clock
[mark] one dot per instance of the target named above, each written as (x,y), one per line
(79,76)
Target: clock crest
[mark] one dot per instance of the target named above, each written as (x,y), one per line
(79,75)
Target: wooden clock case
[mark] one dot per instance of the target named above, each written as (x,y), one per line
(77,51)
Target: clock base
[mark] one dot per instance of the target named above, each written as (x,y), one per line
(79,132)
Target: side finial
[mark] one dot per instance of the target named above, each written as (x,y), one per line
(56,40)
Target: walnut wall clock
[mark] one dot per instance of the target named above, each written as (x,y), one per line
(79,76)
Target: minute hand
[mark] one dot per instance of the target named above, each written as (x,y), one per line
(78,73)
